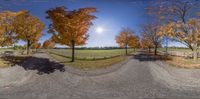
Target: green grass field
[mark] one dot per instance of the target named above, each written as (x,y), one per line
(88,65)
(89,59)
(90,54)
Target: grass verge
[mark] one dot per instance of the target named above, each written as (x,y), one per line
(177,61)
(183,62)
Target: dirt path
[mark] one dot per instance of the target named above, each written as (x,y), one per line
(140,77)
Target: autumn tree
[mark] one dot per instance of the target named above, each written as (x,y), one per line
(29,29)
(179,14)
(36,46)
(135,42)
(7,34)
(151,33)
(173,10)
(126,39)
(167,11)
(48,44)
(146,43)
(198,14)
(70,27)
(186,33)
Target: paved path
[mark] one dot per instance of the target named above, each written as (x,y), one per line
(140,77)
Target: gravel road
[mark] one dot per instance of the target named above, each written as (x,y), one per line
(140,77)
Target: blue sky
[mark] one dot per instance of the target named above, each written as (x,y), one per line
(112,16)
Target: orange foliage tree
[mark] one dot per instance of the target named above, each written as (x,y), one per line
(146,43)
(198,14)
(186,33)
(48,44)
(126,39)
(135,42)
(70,27)
(172,11)
(36,45)
(7,37)
(28,28)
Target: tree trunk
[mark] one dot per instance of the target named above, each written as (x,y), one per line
(195,56)
(149,50)
(166,47)
(28,47)
(155,49)
(126,47)
(73,47)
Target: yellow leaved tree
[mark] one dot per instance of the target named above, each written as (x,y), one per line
(7,33)
(36,46)
(135,42)
(70,27)
(167,11)
(186,33)
(48,44)
(28,28)
(126,39)
(147,43)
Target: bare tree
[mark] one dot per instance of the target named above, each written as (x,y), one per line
(173,10)
(150,32)
(166,11)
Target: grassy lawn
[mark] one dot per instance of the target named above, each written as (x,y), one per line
(88,65)
(89,59)
(90,54)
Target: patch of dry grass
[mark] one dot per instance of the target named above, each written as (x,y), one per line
(183,62)
(9,61)
(4,64)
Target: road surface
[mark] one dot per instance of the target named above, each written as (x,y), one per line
(140,77)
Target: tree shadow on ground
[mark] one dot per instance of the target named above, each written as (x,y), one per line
(144,56)
(42,65)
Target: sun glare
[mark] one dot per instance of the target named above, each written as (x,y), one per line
(99,30)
